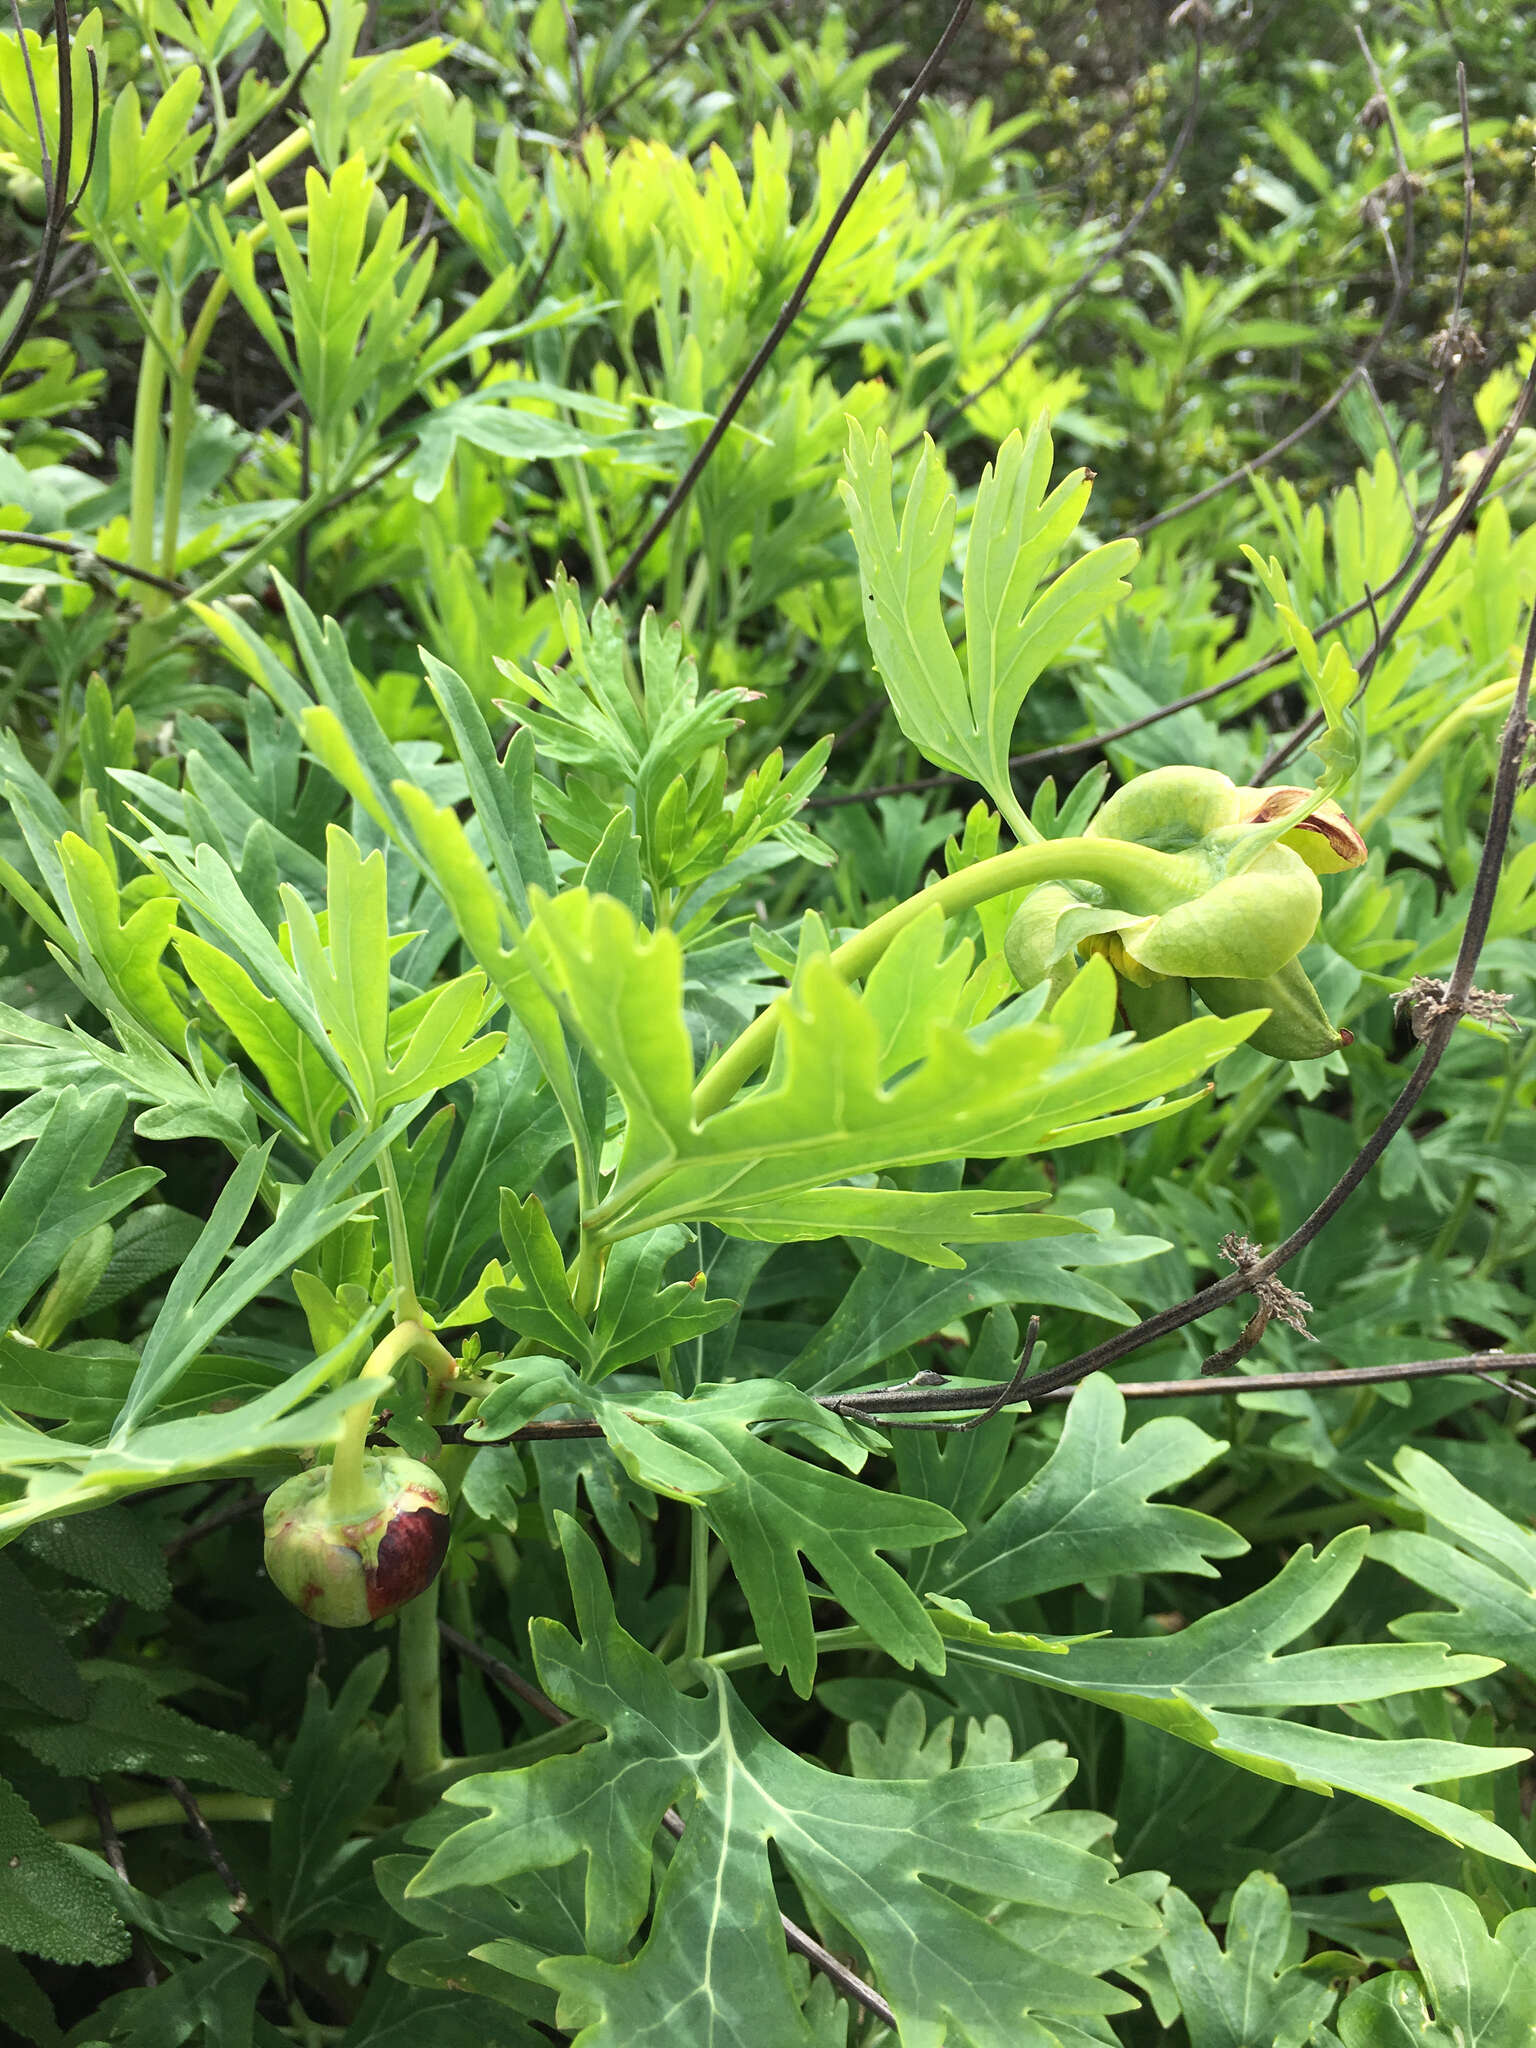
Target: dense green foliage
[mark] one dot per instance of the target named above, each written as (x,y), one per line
(503,977)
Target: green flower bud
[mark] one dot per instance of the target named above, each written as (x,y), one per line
(1227,909)
(1297,1028)
(347,1571)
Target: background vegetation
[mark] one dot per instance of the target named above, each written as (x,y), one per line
(379,872)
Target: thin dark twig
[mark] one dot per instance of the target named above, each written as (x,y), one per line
(112,1849)
(1080,285)
(197,1820)
(683,489)
(1006,1395)
(1092,742)
(1471,498)
(869,1405)
(673,49)
(509,1679)
(50,183)
(1437,1038)
(78,552)
(573,50)
(56,171)
(1402,276)
(95,135)
(804,1944)
(929,1394)
(1287,442)
(279,105)
(536,289)
(224,1517)
(1468,194)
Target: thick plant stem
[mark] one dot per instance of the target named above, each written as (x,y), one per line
(407,1307)
(348,1494)
(1493,697)
(419,1674)
(164,1813)
(1159,877)
(144,477)
(698,1585)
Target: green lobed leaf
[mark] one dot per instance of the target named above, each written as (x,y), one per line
(51,1201)
(1483,1563)
(912,1869)
(1252,1991)
(1191,1682)
(768,1507)
(824,1113)
(966,722)
(1481,1986)
(1089,1508)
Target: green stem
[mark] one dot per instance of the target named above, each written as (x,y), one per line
(175,478)
(407,1307)
(419,1672)
(41,912)
(1493,697)
(144,476)
(576,471)
(1159,879)
(698,1587)
(826,1639)
(267,167)
(163,1813)
(1248,1110)
(261,551)
(348,1493)
(587,1275)
(1339,1514)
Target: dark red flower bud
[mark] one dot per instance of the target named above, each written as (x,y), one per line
(348,1570)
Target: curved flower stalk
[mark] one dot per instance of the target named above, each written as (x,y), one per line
(352,1541)
(1248,900)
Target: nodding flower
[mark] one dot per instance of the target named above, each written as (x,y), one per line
(1235,901)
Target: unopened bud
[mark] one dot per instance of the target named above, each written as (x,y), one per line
(348,1570)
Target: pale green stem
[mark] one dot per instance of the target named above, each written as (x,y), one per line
(693,597)
(407,1307)
(1244,1113)
(101,241)
(175,477)
(267,167)
(419,1670)
(576,469)
(698,1586)
(163,1813)
(144,476)
(587,1276)
(348,1494)
(261,551)
(1494,697)
(41,912)
(1159,879)
(826,1640)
